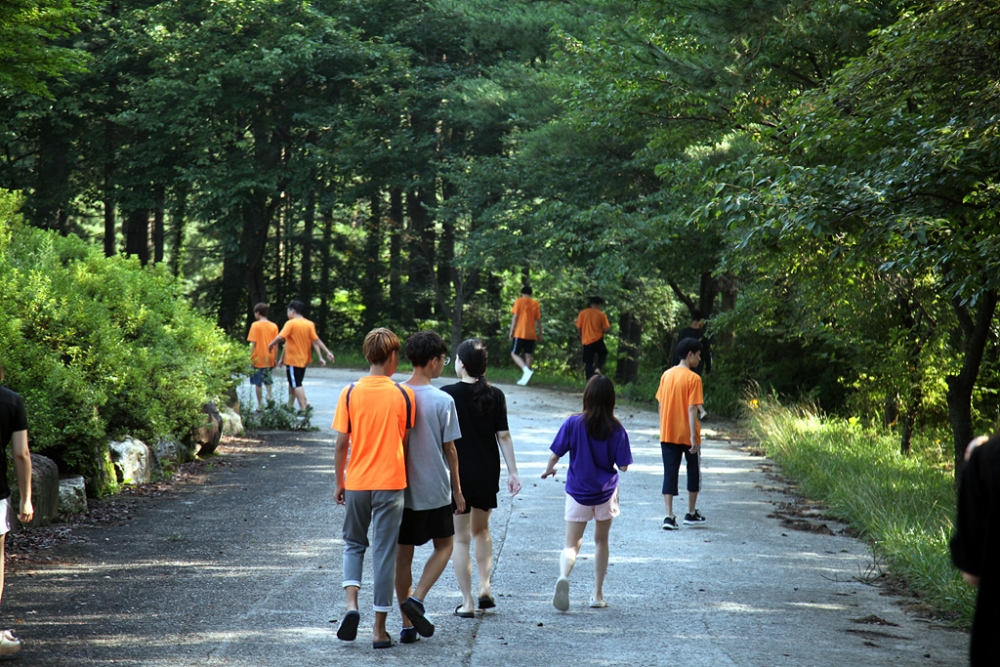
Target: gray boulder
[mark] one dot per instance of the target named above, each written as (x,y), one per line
(232,423)
(173,451)
(44,493)
(133,461)
(72,495)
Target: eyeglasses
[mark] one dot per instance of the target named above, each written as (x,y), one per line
(447,359)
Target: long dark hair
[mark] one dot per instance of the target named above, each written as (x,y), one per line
(599,407)
(475,357)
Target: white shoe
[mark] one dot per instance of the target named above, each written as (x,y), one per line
(561,598)
(598,604)
(9,643)
(525,376)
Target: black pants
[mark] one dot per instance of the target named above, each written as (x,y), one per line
(595,352)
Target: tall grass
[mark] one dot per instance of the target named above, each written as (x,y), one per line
(903,505)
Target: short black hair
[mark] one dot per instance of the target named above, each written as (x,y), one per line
(687,346)
(697,315)
(526,289)
(297,306)
(424,346)
(595,301)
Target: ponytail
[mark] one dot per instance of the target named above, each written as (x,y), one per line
(475,358)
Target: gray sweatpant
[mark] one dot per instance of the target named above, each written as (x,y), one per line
(383,510)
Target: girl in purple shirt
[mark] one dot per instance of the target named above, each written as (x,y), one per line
(597,444)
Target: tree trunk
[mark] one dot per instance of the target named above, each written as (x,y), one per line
(422,254)
(308,231)
(177,221)
(323,319)
(629,345)
(158,213)
(976,332)
(371,294)
(232,297)
(137,234)
(110,247)
(395,249)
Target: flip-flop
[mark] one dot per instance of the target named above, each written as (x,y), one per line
(464,614)
(384,643)
(414,611)
(348,630)
(9,644)
(486,602)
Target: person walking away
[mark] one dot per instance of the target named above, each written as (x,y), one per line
(373,419)
(262,358)
(432,478)
(975,546)
(597,444)
(680,396)
(525,331)
(299,335)
(13,430)
(482,418)
(697,330)
(593,324)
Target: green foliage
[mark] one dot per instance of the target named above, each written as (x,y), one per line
(29,50)
(277,416)
(902,505)
(100,348)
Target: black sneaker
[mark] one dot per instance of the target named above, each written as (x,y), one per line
(670,523)
(408,636)
(694,519)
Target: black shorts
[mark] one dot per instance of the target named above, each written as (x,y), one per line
(421,526)
(295,375)
(523,346)
(484,503)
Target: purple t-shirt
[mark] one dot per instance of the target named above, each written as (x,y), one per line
(592,478)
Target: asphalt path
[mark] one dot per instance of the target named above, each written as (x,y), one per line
(245,569)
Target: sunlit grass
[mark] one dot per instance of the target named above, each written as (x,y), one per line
(903,505)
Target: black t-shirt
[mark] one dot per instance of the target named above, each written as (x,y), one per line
(478,448)
(13,418)
(975,547)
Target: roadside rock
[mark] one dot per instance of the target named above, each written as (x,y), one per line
(232,423)
(44,493)
(133,461)
(173,451)
(208,436)
(72,495)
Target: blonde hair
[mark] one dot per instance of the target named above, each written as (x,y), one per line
(379,345)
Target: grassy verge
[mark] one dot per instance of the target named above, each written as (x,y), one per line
(903,506)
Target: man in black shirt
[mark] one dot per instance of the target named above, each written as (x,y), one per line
(13,428)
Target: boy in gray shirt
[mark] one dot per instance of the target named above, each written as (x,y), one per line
(430,457)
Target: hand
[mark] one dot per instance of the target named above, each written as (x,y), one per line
(695,447)
(27,512)
(459,502)
(548,472)
(975,442)
(329,355)
(340,495)
(322,361)
(539,338)
(513,483)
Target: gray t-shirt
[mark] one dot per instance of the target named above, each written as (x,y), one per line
(427,475)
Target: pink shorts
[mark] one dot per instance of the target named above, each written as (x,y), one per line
(584,513)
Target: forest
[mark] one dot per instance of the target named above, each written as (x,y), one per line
(820,178)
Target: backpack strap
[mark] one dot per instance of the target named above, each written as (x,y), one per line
(347,405)
(409,405)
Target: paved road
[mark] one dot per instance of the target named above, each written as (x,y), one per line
(244,570)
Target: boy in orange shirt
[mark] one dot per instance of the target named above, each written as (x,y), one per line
(680,397)
(525,329)
(593,324)
(262,332)
(299,335)
(373,419)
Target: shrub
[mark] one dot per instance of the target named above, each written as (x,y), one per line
(101,348)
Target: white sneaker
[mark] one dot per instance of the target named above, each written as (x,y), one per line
(525,376)
(561,598)
(9,643)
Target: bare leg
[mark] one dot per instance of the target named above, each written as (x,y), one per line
(460,559)
(291,397)
(300,396)
(527,360)
(668,501)
(600,557)
(484,548)
(3,558)
(518,360)
(692,501)
(379,633)
(435,565)
(351,596)
(404,578)
(260,397)
(574,538)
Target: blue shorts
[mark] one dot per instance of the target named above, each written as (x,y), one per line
(261,376)
(672,464)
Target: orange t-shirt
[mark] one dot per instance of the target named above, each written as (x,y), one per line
(592,322)
(299,334)
(375,412)
(262,332)
(528,312)
(679,388)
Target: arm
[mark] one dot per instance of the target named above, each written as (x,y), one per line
(340,464)
(253,346)
(320,348)
(538,329)
(451,454)
(507,448)
(274,343)
(971,579)
(550,469)
(22,465)
(693,426)
(513,323)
